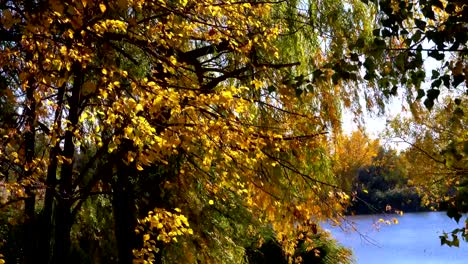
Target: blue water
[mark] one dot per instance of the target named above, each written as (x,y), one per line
(415,239)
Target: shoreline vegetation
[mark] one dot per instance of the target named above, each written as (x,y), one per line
(376,178)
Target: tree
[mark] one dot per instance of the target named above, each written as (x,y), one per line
(383,186)
(410,33)
(351,154)
(437,156)
(189,103)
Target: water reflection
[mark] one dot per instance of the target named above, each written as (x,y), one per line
(414,240)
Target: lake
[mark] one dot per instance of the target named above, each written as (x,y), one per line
(415,239)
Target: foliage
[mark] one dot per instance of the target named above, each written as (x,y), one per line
(205,106)
(410,32)
(381,185)
(91,240)
(437,157)
(220,118)
(315,248)
(372,175)
(352,153)
(169,226)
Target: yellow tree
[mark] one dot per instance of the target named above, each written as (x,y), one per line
(436,155)
(197,90)
(352,153)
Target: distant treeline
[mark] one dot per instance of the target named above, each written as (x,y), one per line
(384,186)
(375,192)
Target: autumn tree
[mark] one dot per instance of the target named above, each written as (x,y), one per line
(352,153)
(420,52)
(436,157)
(179,113)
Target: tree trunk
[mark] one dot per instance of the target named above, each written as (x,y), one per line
(124,214)
(64,217)
(30,236)
(46,220)
(63,224)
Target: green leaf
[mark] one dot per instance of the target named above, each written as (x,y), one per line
(360,42)
(443,240)
(428,12)
(386,33)
(458,112)
(433,94)
(436,55)
(453,213)
(457,79)
(437,3)
(404,32)
(429,103)
(317,73)
(379,43)
(417,36)
(436,83)
(376,32)
(299,92)
(420,24)
(455,241)
(421,94)
(394,91)
(271,88)
(369,64)
(354,57)
(401,61)
(446,80)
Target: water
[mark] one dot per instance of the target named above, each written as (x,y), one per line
(415,239)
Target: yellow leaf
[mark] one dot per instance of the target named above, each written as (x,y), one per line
(63,50)
(139,108)
(139,167)
(146,237)
(102,7)
(211,202)
(70,33)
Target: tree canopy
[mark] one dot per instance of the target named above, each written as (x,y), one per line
(183,120)
(200,127)
(423,48)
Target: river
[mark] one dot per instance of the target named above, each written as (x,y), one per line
(415,239)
